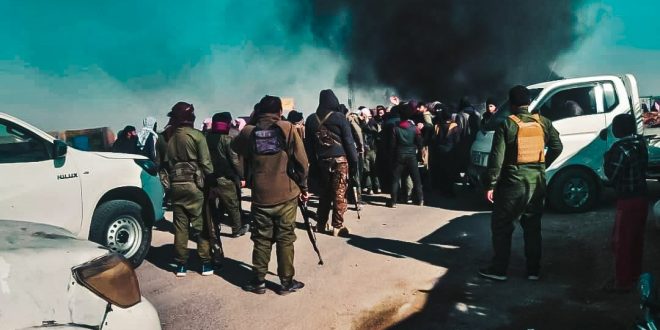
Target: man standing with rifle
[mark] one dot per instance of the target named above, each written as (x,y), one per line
(330,142)
(275,155)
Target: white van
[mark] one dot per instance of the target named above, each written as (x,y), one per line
(576,178)
(109,198)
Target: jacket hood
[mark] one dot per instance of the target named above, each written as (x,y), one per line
(327,102)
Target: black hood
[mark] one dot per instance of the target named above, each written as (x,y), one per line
(327,102)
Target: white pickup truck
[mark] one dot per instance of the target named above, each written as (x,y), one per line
(109,198)
(576,178)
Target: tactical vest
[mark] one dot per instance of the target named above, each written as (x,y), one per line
(530,140)
(324,137)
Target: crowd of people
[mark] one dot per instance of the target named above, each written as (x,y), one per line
(407,150)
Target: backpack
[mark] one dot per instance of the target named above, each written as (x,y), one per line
(271,141)
(530,140)
(324,137)
(268,141)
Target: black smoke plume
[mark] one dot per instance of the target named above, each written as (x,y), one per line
(444,48)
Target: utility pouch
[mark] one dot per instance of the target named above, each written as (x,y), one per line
(530,140)
(187,172)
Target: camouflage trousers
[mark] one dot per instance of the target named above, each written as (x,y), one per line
(334,182)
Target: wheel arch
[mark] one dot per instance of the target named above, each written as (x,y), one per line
(133,194)
(578,167)
(552,185)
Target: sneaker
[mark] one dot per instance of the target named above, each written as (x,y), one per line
(493,275)
(207,269)
(335,231)
(292,286)
(255,286)
(344,231)
(376,191)
(533,276)
(242,231)
(391,205)
(181,270)
(420,203)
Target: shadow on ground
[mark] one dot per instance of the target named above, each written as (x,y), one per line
(577,262)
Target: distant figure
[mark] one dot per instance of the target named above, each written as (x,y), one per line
(491,109)
(571,109)
(127,141)
(625,166)
(296,118)
(147,138)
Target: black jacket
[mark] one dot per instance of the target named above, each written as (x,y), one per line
(337,124)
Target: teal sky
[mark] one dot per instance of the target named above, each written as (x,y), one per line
(80,63)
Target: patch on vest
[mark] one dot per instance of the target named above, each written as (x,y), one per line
(268,141)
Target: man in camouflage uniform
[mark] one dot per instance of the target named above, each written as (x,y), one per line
(330,142)
(276,157)
(189,162)
(517,188)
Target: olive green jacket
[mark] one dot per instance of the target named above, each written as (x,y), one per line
(502,165)
(225,161)
(189,145)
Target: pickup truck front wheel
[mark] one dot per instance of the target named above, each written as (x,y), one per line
(118,225)
(573,190)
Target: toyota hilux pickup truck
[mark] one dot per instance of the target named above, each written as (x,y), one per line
(576,178)
(110,198)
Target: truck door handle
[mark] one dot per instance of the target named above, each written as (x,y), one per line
(603,134)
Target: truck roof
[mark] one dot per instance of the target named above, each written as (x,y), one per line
(571,81)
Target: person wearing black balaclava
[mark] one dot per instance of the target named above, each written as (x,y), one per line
(330,143)
(189,163)
(127,141)
(468,120)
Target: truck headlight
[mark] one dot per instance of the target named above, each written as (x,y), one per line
(112,278)
(148,165)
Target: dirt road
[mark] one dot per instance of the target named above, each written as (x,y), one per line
(412,267)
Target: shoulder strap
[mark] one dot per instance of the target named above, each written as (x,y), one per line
(321,121)
(515,118)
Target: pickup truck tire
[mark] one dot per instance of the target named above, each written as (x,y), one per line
(572,191)
(118,225)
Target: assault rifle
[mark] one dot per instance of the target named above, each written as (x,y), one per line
(310,233)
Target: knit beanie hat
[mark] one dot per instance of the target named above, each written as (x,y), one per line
(519,96)
(270,104)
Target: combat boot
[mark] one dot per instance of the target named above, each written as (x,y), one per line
(255,286)
(289,287)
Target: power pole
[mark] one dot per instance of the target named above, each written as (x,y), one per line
(351,96)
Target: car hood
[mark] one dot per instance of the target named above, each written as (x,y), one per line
(117,155)
(36,282)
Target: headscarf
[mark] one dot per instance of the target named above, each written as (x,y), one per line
(147,130)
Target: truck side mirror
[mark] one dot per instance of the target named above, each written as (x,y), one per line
(59,149)
(603,134)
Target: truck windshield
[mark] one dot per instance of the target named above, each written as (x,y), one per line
(504,111)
